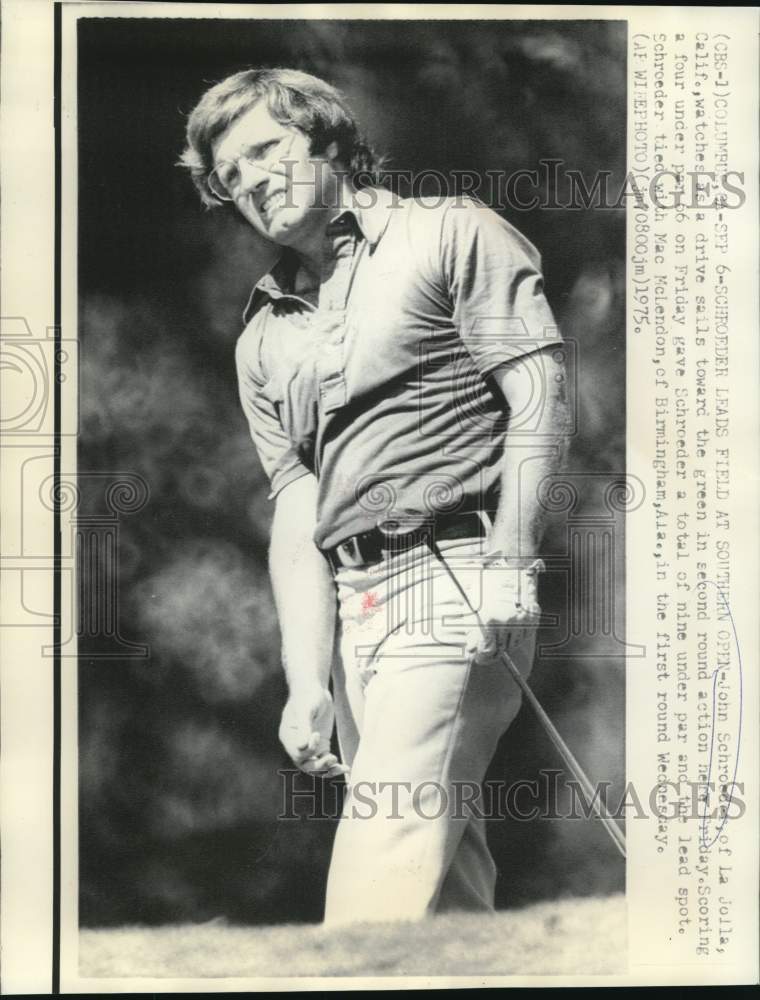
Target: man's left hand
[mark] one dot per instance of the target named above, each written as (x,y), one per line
(509,608)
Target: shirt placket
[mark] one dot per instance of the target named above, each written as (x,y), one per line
(339,261)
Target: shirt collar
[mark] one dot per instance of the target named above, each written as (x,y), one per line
(371,214)
(273,285)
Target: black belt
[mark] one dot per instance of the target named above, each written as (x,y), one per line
(371,546)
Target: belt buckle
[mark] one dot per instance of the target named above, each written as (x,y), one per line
(404,531)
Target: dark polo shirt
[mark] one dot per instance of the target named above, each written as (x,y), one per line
(381,388)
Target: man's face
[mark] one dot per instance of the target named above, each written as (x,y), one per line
(275,182)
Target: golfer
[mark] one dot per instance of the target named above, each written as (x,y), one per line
(402,376)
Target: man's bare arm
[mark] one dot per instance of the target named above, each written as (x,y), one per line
(533,449)
(509,601)
(305,597)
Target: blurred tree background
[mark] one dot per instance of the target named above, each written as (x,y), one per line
(179,790)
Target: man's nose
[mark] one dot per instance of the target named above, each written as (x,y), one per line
(252,176)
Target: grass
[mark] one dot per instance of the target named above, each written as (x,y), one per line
(569,937)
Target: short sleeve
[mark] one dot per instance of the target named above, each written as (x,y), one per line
(275,450)
(492,274)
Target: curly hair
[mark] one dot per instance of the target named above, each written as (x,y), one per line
(292,98)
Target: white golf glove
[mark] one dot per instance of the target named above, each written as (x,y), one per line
(509,608)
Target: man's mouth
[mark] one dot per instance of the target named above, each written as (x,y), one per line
(272,202)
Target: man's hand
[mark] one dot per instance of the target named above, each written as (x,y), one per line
(305,730)
(509,609)
(304,592)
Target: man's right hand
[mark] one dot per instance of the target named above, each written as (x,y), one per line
(305,730)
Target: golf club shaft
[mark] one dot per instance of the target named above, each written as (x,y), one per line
(572,764)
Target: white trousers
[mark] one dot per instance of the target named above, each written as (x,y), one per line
(418,724)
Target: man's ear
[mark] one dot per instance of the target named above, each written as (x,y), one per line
(332,152)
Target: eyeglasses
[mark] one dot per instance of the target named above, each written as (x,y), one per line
(224,180)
